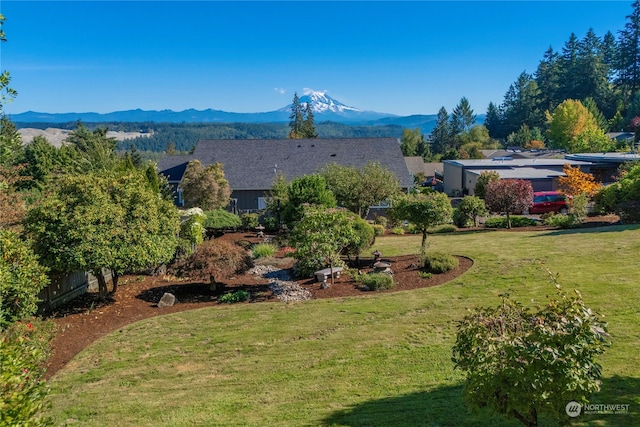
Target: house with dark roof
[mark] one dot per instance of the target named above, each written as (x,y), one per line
(251,165)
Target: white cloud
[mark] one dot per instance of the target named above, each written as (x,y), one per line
(280,90)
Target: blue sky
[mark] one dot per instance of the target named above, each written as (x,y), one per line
(393,57)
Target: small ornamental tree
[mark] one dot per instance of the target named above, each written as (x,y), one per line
(577,182)
(319,238)
(205,187)
(424,211)
(470,208)
(524,363)
(484,178)
(359,189)
(509,196)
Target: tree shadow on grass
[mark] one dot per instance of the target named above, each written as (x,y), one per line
(445,406)
(589,230)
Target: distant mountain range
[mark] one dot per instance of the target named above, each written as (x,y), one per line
(324,108)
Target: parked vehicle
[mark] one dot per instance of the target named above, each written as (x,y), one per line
(549,201)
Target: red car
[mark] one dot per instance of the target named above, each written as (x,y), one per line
(549,201)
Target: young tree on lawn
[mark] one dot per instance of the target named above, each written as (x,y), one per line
(470,208)
(319,238)
(21,279)
(98,222)
(524,363)
(305,190)
(577,182)
(485,177)
(424,211)
(205,188)
(509,196)
(359,189)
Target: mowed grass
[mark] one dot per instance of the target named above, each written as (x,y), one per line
(379,360)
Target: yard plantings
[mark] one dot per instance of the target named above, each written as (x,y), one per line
(377,281)
(262,250)
(509,196)
(233,297)
(424,211)
(516,221)
(21,279)
(110,220)
(23,352)
(507,351)
(213,260)
(439,262)
(386,357)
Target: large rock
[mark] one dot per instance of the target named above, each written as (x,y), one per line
(167,300)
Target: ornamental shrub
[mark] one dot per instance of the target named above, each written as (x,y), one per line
(439,262)
(377,281)
(249,220)
(444,228)
(214,260)
(378,229)
(516,221)
(529,362)
(219,219)
(262,250)
(23,351)
(233,297)
(21,279)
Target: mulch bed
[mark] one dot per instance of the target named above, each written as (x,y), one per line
(87,318)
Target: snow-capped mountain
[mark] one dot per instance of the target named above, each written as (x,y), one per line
(323,103)
(325,109)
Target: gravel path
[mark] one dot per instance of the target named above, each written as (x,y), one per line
(281,284)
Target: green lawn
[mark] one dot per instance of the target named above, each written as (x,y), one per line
(380,360)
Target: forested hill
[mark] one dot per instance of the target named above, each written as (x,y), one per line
(184,136)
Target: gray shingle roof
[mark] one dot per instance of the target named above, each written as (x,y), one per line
(253,164)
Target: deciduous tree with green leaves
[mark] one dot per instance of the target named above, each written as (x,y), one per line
(572,127)
(319,238)
(526,364)
(103,222)
(359,189)
(424,211)
(305,190)
(205,187)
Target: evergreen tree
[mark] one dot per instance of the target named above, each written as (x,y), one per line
(441,133)
(548,78)
(296,119)
(10,142)
(628,58)
(308,126)
(462,117)
(493,121)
